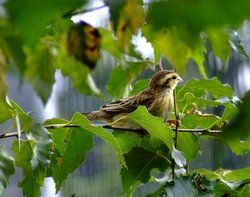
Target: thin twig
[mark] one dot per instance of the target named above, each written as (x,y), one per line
(74,12)
(204,131)
(160,64)
(177,118)
(7,135)
(82,11)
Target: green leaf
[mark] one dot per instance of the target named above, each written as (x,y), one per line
(26,121)
(84,123)
(128,22)
(118,82)
(115,7)
(23,17)
(158,193)
(191,96)
(239,147)
(171,43)
(178,157)
(213,86)
(188,143)
(236,43)
(41,70)
(230,111)
(196,15)
(236,135)
(225,174)
(175,42)
(221,189)
(209,174)
(21,120)
(121,78)
(5,111)
(194,101)
(6,168)
(160,148)
(183,186)
(230,108)
(9,109)
(219,40)
(236,175)
(126,141)
(140,163)
(109,44)
(23,155)
(193,121)
(41,152)
(149,34)
(33,156)
(197,55)
(154,125)
(3,87)
(80,75)
(226,181)
(70,149)
(15,51)
(139,86)
(245,190)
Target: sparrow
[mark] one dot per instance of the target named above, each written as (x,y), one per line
(157,97)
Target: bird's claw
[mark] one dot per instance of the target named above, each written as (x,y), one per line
(175,122)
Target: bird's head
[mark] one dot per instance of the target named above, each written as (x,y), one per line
(164,79)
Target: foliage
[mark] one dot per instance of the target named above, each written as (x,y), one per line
(33,38)
(6,169)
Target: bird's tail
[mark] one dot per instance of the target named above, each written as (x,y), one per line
(93,115)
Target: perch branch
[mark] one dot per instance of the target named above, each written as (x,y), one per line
(139,130)
(202,131)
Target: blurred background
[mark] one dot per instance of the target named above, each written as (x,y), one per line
(99,176)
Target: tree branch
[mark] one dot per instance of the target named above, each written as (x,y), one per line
(201,131)
(139,130)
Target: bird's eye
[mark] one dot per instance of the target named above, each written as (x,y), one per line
(174,77)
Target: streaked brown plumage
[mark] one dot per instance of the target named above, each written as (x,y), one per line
(158,98)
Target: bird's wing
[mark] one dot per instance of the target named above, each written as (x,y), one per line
(127,105)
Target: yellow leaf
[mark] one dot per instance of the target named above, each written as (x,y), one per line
(175,49)
(131,19)
(83,42)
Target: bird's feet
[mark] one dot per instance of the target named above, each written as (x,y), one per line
(175,122)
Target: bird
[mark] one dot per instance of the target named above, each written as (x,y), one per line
(157,97)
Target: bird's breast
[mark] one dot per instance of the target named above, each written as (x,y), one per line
(162,106)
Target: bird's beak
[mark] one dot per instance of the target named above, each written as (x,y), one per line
(179,79)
